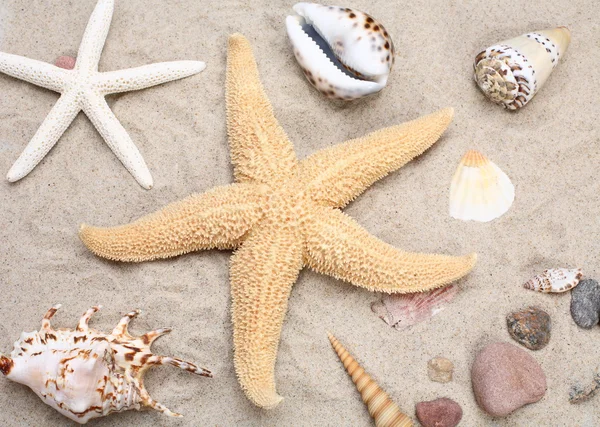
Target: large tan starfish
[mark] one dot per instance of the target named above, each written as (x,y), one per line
(281,215)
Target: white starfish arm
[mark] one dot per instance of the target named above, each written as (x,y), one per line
(146,76)
(100,114)
(35,72)
(95,34)
(54,125)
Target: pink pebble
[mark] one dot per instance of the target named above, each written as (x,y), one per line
(66,62)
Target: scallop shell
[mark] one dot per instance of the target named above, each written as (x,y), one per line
(480,191)
(555,280)
(344,53)
(511,72)
(85,374)
(401,311)
(383,409)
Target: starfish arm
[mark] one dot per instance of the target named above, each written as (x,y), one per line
(54,125)
(146,76)
(337,175)
(337,246)
(218,218)
(117,138)
(94,36)
(35,72)
(262,273)
(260,149)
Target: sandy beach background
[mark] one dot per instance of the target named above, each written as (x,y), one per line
(550,150)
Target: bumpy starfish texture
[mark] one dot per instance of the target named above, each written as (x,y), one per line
(281,215)
(83,89)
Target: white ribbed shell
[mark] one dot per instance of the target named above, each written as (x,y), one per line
(480,190)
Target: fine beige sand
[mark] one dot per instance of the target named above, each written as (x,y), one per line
(550,150)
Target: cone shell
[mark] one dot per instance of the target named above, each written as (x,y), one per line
(344,53)
(383,410)
(511,72)
(555,280)
(480,190)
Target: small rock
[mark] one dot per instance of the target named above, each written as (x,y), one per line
(585,304)
(530,327)
(440,370)
(441,412)
(504,378)
(66,62)
(580,394)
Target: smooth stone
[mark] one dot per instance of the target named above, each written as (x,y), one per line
(505,378)
(530,327)
(440,369)
(585,304)
(66,62)
(442,412)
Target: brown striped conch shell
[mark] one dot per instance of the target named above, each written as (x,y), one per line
(511,72)
(383,409)
(555,280)
(86,374)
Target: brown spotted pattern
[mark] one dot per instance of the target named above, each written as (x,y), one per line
(375,32)
(555,280)
(62,365)
(361,46)
(550,47)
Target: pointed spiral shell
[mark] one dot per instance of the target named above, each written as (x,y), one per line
(383,409)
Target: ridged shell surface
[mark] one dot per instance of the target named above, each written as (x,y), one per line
(344,53)
(85,374)
(402,311)
(480,190)
(383,409)
(555,280)
(511,72)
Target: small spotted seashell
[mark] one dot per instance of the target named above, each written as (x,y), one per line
(511,72)
(555,280)
(85,374)
(344,53)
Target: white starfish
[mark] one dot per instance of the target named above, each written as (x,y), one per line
(84,89)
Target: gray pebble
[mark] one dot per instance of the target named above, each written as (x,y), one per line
(585,303)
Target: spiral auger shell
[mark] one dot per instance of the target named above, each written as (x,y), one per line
(383,409)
